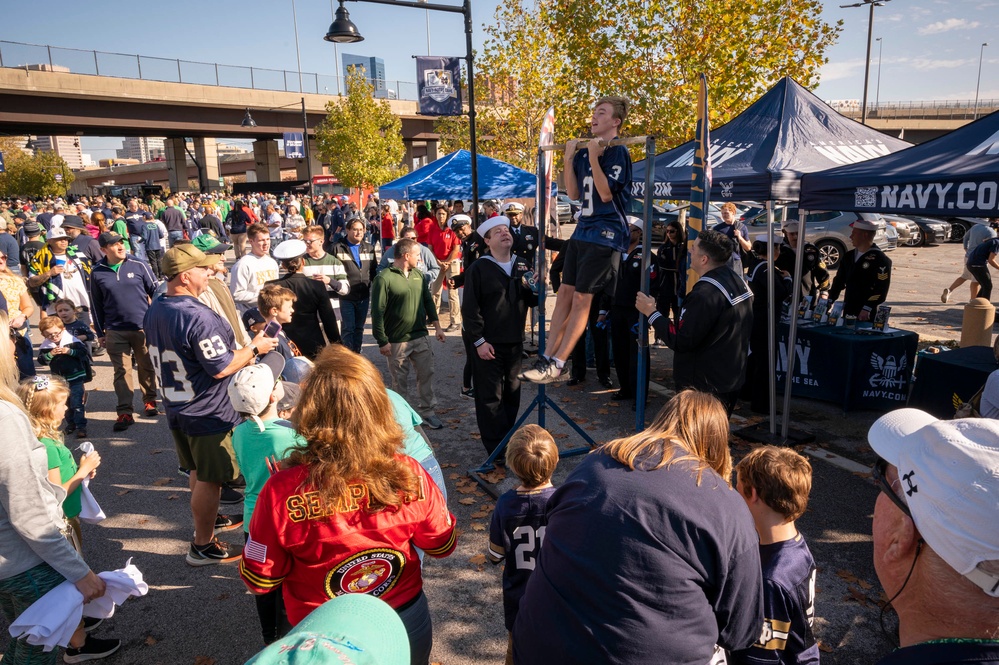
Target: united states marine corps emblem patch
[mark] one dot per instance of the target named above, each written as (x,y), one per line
(373,572)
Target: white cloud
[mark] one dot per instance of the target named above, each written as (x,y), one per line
(948,25)
(925,64)
(835,71)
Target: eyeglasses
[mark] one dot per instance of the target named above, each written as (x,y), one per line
(880,474)
(311,241)
(671,231)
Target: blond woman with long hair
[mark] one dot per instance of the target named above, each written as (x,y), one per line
(348,510)
(35,555)
(649,555)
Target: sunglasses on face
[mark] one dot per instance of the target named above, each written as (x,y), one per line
(880,474)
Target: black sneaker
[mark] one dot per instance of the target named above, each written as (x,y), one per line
(468,393)
(93,649)
(212,553)
(229,496)
(91,623)
(184,472)
(124,421)
(239,483)
(227,523)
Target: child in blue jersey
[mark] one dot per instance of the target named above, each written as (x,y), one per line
(518,525)
(260,442)
(775,482)
(599,177)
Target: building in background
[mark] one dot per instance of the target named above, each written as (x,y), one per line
(229,149)
(143,148)
(67,147)
(374,72)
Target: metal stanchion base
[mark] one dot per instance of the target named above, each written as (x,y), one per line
(760,433)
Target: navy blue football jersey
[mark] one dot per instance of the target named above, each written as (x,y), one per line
(788,607)
(600,222)
(516,534)
(189,344)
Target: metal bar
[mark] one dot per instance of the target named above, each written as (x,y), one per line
(544,199)
(793,332)
(631,140)
(216,73)
(180,76)
(417,5)
(252,86)
(305,146)
(138,63)
(771,331)
(466,10)
(49,49)
(97,66)
(643,324)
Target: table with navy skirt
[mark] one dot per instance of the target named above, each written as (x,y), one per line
(858,369)
(942,376)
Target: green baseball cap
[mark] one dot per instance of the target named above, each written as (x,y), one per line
(354,628)
(209,244)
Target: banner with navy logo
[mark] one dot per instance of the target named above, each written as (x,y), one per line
(294,145)
(438,80)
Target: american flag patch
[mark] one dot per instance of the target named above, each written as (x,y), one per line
(254,551)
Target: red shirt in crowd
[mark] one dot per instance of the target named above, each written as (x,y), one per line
(388,227)
(318,552)
(423,227)
(443,241)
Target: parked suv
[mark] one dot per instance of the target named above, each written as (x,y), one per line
(830,231)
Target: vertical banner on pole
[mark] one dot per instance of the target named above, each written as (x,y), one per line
(545,137)
(437,84)
(700,178)
(294,145)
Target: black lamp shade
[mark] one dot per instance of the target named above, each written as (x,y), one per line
(343,30)
(248,120)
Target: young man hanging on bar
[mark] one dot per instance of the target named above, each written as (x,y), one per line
(600,178)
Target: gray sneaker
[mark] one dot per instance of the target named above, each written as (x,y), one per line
(433,422)
(544,371)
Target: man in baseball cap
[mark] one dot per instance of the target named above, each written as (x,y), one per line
(184,257)
(209,244)
(936,544)
(864,273)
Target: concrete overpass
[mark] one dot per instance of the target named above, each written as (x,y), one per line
(918,122)
(65,104)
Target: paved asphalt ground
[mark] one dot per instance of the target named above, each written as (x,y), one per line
(204,616)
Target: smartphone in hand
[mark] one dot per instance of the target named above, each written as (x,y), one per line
(272,329)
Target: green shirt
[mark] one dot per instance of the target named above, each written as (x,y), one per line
(61,458)
(414,445)
(253,447)
(121,228)
(401,305)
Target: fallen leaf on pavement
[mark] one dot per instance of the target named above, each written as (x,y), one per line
(172,497)
(478,526)
(123,492)
(466,489)
(204,660)
(479,515)
(150,640)
(162,481)
(467,501)
(478,559)
(823,646)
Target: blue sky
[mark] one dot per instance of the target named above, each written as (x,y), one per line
(930,47)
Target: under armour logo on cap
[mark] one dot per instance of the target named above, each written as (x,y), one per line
(908,481)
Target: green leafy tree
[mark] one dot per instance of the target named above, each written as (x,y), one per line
(361,138)
(566,53)
(32,175)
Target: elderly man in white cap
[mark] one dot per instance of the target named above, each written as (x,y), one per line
(936,544)
(865,274)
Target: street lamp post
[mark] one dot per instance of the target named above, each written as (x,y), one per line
(877,94)
(870,33)
(981,55)
(248,122)
(343,31)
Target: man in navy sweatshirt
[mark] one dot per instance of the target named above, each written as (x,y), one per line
(121,289)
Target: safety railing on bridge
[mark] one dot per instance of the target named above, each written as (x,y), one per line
(39,57)
(932,110)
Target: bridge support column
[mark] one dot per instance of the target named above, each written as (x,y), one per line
(419,153)
(301,168)
(207,155)
(267,160)
(176,159)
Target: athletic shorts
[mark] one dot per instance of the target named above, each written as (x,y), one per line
(590,268)
(968,276)
(210,454)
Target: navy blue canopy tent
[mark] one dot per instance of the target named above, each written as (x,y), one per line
(761,154)
(955,174)
(450,177)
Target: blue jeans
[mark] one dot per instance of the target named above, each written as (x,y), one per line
(138,247)
(353,314)
(175,237)
(420,629)
(77,413)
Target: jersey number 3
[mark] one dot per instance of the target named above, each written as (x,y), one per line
(170,370)
(527,543)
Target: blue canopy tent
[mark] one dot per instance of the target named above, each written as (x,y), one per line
(955,174)
(761,154)
(450,177)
